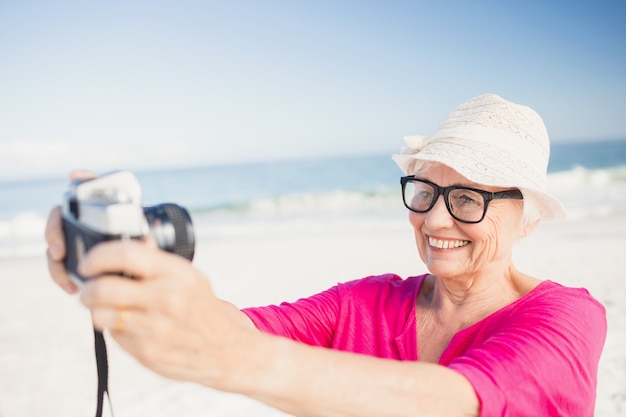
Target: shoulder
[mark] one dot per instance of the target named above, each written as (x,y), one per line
(545,347)
(553,297)
(549,315)
(557,314)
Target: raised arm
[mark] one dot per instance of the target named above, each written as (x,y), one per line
(173,324)
(310,381)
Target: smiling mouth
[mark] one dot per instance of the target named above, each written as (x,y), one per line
(447,244)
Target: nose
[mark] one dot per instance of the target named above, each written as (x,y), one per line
(439,217)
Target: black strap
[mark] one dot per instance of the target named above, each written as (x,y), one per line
(102,364)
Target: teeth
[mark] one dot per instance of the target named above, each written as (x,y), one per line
(447,244)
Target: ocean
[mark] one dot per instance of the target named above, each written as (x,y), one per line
(588,177)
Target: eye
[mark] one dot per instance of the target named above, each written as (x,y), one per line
(466,199)
(423,195)
(419,195)
(422,192)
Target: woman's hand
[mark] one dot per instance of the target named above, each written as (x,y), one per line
(56,241)
(166,315)
(56,252)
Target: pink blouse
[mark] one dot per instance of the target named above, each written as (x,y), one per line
(537,356)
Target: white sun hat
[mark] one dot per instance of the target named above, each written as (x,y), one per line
(493,142)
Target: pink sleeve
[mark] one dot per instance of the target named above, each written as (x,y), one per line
(542,360)
(374,315)
(309,320)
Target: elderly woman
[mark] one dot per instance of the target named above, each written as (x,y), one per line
(473,337)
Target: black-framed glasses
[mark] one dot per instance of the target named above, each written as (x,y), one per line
(467,205)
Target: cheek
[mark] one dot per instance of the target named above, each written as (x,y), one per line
(485,243)
(498,235)
(416,220)
(493,235)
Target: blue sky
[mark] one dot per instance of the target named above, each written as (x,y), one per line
(134,84)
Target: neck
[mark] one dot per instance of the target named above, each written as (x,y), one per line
(468,300)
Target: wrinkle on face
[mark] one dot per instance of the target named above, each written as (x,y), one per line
(491,240)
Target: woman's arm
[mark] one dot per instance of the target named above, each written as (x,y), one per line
(310,381)
(173,324)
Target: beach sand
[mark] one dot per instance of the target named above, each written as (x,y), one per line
(47,365)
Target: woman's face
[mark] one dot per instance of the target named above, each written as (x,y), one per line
(452,249)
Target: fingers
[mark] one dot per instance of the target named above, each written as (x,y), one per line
(115,320)
(136,258)
(54,235)
(82,174)
(56,241)
(60,276)
(105,263)
(112,292)
(120,320)
(115,302)
(127,326)
(56,252)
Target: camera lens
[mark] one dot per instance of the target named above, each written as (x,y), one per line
(172,229)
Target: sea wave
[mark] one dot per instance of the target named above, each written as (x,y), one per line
(22,236)
(580,176)
(308,203)
(584,193)
(590,192)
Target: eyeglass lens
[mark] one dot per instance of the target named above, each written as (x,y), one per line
(464,204)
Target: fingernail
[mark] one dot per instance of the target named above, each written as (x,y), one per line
(70,288)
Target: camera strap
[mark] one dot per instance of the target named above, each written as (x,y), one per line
(102,364)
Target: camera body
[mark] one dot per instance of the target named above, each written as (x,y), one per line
(109,208)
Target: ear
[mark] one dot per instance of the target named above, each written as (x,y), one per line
(528,228)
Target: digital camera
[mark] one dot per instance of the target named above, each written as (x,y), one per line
(109,208)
